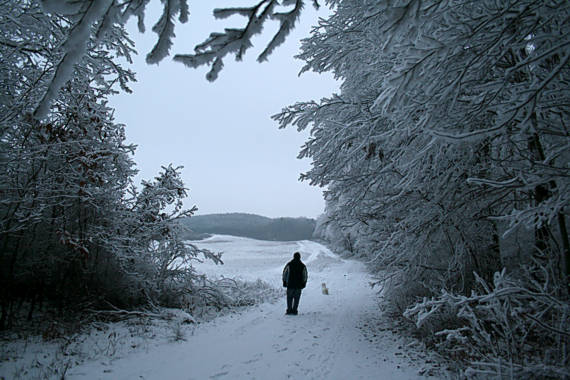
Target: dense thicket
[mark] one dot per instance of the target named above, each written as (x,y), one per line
(446,161)
(73,229)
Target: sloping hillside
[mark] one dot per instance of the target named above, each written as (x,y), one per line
(250,225)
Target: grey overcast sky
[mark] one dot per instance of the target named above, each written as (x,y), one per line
(234,156)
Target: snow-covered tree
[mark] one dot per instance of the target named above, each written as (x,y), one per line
(151,240)
(447,140)
(70,231)
(59,176)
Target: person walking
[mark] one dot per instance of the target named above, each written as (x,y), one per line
(294,279)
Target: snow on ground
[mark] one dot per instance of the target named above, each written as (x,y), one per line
(329,339)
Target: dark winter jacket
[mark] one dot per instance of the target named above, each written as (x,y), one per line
(295,275)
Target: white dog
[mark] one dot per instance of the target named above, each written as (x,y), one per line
(325,289)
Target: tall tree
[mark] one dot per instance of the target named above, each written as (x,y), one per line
(448,139)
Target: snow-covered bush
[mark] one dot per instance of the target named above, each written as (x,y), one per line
(209,298)
(512,328)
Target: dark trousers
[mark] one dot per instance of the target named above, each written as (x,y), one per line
(293,297)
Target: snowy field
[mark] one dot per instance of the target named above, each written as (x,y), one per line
(335,336)
(250,259)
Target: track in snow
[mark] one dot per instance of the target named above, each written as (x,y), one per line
(324,341)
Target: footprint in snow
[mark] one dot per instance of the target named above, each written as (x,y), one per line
(278,348)
(218,375)
(257,357)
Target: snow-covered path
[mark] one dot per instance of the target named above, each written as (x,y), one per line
(325,341)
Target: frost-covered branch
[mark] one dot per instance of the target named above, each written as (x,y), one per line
(73,49)
(92,20)
(237,41)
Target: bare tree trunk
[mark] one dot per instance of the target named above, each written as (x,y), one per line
(3,313)
(565,246)
(541,193)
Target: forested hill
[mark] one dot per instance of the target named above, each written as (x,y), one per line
(250,225)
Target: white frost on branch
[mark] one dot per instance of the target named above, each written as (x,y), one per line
(94,18)
(73,49)
(164,28)
(287,21)
(238,40)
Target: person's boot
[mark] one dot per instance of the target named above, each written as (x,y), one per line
(289,312)
(294,312)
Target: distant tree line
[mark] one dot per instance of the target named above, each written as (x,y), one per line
(249,225)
